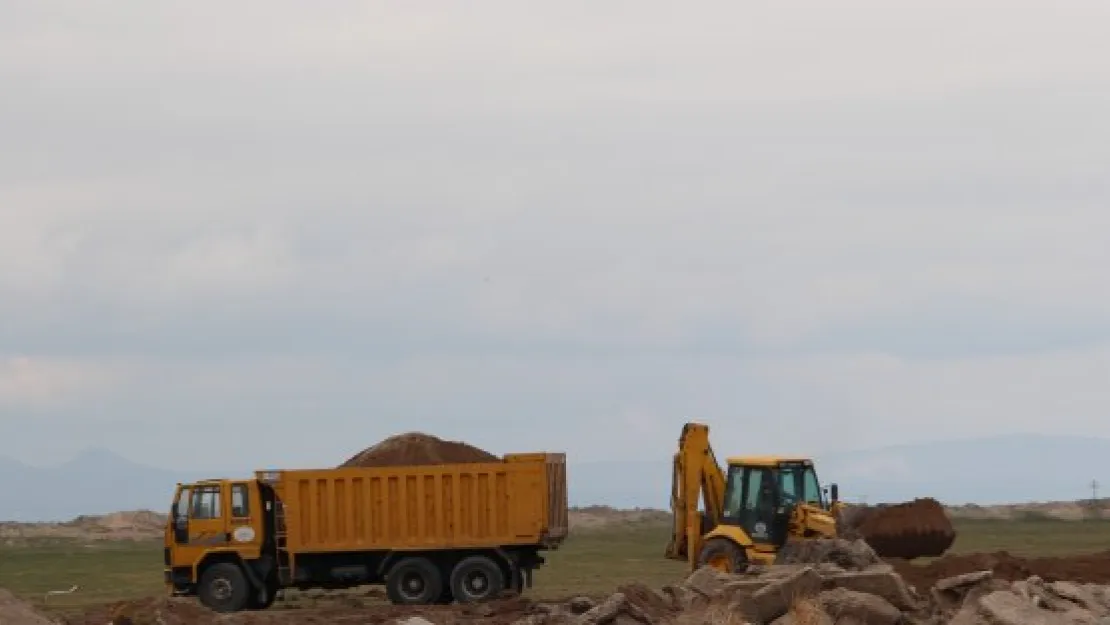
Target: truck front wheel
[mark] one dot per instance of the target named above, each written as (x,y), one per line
(477,578)
(414,581)
(224,588)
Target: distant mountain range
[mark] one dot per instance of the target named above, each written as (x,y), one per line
(1003,469)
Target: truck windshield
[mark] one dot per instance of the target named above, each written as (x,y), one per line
(799,483)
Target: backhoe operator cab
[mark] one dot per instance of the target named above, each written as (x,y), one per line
(762,494)
(750,512)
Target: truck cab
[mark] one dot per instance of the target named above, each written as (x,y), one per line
(219,540)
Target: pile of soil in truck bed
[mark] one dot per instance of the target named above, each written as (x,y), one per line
(415,448)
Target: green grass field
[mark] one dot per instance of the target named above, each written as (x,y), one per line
(593,561)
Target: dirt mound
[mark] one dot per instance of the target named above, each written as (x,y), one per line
(415,448)
(913,529)
(15,610)
(1086,568)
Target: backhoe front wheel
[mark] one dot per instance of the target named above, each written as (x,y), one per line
(723,555)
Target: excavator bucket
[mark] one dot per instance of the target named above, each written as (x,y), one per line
(913,529)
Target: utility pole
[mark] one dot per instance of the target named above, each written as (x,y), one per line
(1094,491)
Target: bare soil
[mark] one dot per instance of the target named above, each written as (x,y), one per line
(14,610)
(1091,568)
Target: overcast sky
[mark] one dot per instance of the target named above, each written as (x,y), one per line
(270,234)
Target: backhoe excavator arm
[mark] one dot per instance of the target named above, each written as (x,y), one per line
(696,473)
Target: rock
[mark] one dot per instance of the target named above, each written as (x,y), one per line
(871,609)
(878,580)
(1082,596)
(580,605)
(707,581)
(612,610)
(952,592)
(775,599)
(1007,608)
(414,620)
(679,597)
(961,581)
(848,554)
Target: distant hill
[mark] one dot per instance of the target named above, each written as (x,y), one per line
(1003,469)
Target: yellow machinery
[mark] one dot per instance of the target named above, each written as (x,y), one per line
(761,502)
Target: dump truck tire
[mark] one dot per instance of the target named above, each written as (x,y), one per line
(477,578)
(414,581)
(224,588)
(724,555)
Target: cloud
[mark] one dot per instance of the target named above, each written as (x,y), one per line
(590,219)
(31,383)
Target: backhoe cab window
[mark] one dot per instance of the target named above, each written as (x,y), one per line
(798,484)
(749,490)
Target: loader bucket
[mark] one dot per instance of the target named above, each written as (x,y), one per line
(913,529)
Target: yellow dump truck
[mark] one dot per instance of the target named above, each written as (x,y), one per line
(431,534)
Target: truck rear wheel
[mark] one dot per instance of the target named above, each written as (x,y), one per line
(224,588)
(723,555)
(414,581)
(477,578)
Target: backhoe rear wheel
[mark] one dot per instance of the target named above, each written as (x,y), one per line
(723,555)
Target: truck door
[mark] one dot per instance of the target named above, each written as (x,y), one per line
(179,514)
(208,525)
(246,516)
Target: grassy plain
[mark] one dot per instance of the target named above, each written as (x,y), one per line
(592,561)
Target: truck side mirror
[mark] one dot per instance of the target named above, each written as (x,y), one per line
(835,493)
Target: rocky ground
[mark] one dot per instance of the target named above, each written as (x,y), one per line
(834,583)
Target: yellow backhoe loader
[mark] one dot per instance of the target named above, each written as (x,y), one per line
(761,502)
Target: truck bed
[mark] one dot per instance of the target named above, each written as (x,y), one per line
(521,500)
